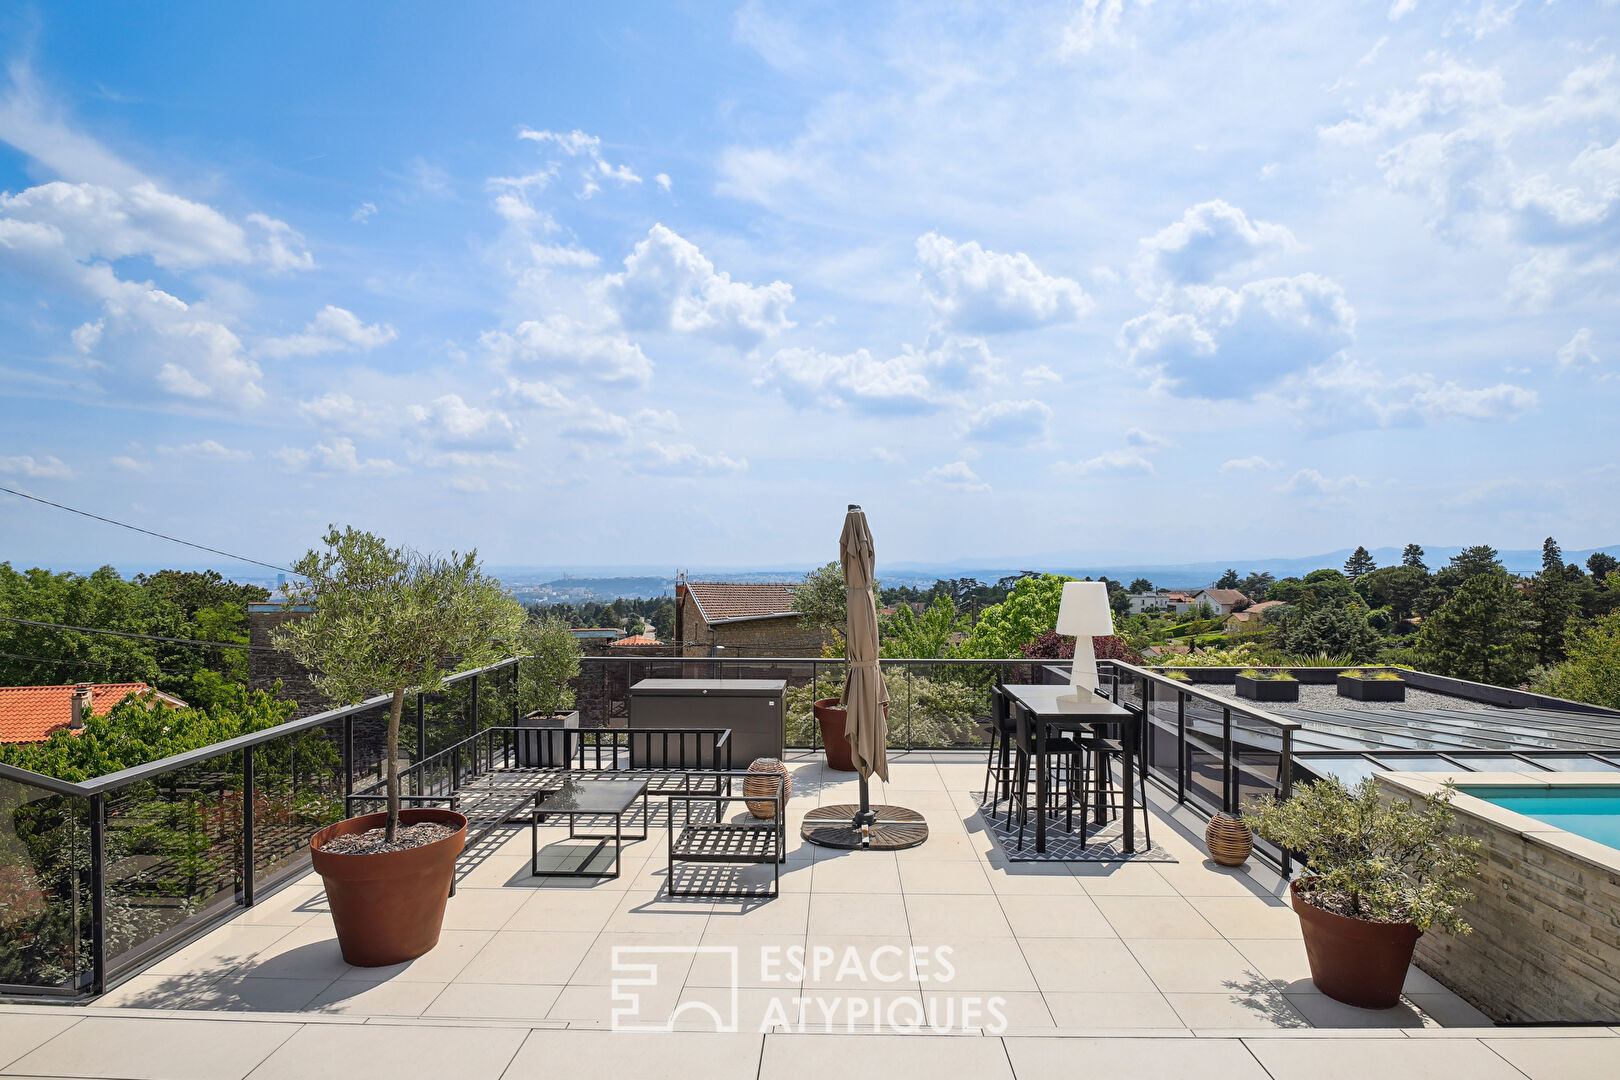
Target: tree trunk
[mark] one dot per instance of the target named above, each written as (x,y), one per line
(395,708)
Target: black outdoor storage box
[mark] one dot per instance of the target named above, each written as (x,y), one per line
(753,709)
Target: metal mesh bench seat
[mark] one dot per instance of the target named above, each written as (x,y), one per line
(725,842)
(750,840)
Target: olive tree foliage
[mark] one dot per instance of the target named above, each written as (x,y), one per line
(1368,858)
(387,619)
(822,599)
(551,662)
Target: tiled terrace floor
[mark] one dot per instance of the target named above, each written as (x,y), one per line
(1068,947)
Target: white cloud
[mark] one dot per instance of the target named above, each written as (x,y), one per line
(129,464)
(1401,8)
(1577,354)
(87,336)
(1248,464)
(340,411)
(208,449)
(90,220)
(337,456)
(1040,375)
(333,329)
(1145,439)
(577,144)
(561,343)
(448,420)
(974,289)
(957,476)
(1112,462)
(1312,482)
(1349,393)
(683,459)
(1010,423)
(1211,238)
(663,181)
(364,212)
(915,381)
(45,467)
(1216,342)
(668,284)
(1094,23)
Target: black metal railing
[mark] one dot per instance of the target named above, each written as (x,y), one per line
(1214,753)
(97,877)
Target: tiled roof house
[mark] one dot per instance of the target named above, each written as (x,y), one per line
(28,714)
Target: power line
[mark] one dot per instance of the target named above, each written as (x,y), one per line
(102,664)
(148,532)
(198,642)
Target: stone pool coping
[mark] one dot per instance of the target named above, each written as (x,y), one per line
(1532,830)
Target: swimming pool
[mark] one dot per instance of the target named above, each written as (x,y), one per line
(1592,812)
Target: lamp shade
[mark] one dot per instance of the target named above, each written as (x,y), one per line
(1084,610)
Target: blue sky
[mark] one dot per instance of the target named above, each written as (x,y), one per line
(670,285)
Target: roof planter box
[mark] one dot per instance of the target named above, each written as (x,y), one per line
(1261,688)
(1369,686)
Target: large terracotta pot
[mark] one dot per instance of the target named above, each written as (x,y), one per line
(831,716)
(1353,960)
(388,907)
(830,713)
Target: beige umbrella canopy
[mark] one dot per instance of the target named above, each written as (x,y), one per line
(845,825)
(865,692)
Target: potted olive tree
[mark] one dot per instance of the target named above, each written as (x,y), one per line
(391,620)
(1377,875)
(545,698)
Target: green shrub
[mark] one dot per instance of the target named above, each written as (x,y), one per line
(1368,858)
(1268,675)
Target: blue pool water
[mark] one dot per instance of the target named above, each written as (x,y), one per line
(1592,812)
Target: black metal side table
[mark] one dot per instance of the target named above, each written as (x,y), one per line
(589,798)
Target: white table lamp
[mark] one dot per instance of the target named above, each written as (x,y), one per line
(1084,614)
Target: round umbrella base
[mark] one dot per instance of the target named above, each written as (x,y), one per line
(895,828)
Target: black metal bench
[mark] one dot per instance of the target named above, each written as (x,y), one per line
(754,841)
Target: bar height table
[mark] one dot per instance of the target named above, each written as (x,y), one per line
(1056,706)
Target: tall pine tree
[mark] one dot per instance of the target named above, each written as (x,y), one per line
(1553,599)
(1360,562)
(1413,556)
(1481,633)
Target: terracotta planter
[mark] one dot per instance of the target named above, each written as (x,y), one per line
(1352,960)
(830,714)
(388,907)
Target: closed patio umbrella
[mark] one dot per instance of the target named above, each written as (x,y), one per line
(866,726)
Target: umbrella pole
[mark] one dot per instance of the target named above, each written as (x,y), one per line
(864,816)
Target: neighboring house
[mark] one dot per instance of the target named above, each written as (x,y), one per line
(634,640)
(29,714)
(1178,602)
(1222,601)
(744,618)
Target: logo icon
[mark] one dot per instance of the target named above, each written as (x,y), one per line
(637,976)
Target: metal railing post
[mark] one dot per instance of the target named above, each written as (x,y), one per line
(348,756)
(911,701)
(247,826)
(98,895)
(421,731)
(473,712)
(1181,746)
(1226,760)
(1285,781)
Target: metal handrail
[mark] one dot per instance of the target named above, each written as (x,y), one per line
(173,763)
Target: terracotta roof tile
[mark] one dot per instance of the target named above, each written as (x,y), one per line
(721,600)
(638,639)
(29,714)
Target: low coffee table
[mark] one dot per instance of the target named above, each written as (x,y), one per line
(588,798)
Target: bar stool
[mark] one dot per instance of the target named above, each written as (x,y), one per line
(1067,780)
(1103,795)
(998,769)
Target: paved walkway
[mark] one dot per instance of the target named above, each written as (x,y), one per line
(41,1041)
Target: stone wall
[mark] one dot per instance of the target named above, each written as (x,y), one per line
(1546,940)
(266,666)
(783,636)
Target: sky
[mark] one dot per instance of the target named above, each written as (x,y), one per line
(670,285)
